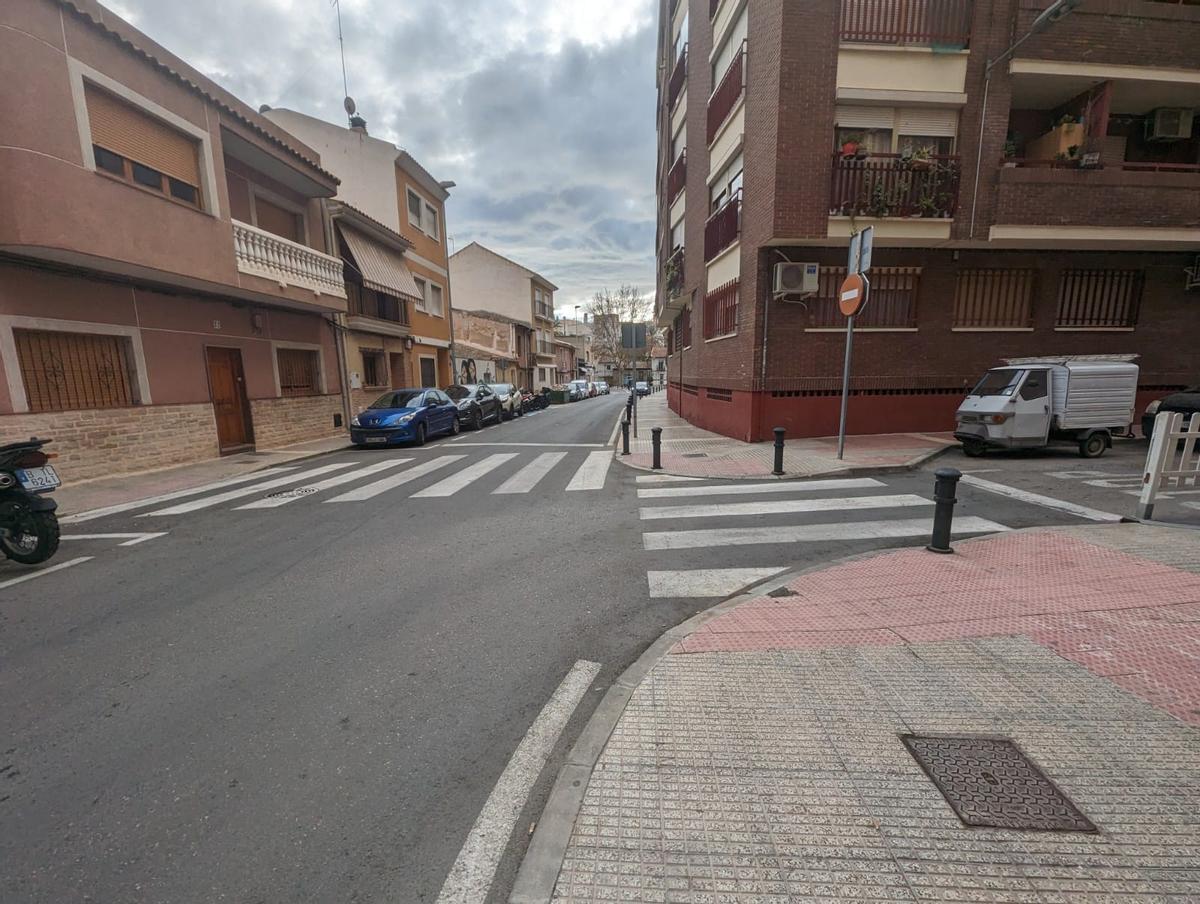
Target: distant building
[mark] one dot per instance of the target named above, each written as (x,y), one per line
(485,348)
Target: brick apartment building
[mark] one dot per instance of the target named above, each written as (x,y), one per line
(1049,207)
(165,291)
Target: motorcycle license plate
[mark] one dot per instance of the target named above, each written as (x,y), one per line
(38,478)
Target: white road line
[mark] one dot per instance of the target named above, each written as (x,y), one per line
(168,497)
(711,582)
(745,489)
(209,501)
(471,876)
(1061,505)
(465,477)
(663,478)
(538,445)
(336,481)
(592,472)
(42,572)
(396,480)
(130,539)
(850,530)
(529,476)
(771,507)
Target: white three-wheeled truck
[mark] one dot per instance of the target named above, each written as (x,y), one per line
(1032,402)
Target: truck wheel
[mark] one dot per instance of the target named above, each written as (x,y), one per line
(973,448)
(1093,446)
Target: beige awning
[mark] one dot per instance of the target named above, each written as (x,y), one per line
(382,268)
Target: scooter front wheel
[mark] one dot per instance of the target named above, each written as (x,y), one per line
(31,538)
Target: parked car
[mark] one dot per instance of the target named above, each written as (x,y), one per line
(510,399)
(602,387)
(641,387)
(1187,402)
(578,389)
(404,416)
(593,390)
(477,404)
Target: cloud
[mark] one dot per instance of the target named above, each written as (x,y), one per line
(542,111)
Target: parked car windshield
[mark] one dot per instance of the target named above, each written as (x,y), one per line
(502,388)
(458,393)
(403,398)
(998,382)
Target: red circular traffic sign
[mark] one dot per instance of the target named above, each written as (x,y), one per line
(852,294)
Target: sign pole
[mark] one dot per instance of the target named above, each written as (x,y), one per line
(845,386)
(852,295)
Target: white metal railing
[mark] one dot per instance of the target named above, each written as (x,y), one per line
(265,254)
(1173,459)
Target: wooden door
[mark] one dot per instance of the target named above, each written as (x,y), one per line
(399,377)
(227,386)
(429,372)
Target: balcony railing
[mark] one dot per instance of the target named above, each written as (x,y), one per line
(890,185)
(676,178)
(365,303)
(544,348)
(261,253)
(923,22)
(723,227)
(678,78)
(674,274)
(728,93)
(544,311)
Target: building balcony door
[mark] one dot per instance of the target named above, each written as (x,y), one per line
(227,387)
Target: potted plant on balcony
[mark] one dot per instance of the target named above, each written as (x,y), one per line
(1010,153)
(927,206)
(851,145)
(922,159)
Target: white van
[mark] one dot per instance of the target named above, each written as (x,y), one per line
(1031,402)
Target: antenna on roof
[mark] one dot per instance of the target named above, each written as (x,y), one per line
(347,103)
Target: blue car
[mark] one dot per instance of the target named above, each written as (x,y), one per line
(404,416)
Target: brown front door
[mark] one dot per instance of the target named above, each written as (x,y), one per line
(399,379)
(227,385)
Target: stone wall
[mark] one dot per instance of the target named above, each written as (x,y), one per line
(278,422)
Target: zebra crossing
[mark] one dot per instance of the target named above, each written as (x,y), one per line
(717,545)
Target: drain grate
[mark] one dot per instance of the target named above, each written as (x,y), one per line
(990,782)
(293,493)
(694,455)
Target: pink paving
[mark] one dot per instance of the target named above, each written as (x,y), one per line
(1129,619)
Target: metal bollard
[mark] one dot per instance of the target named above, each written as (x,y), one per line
(943,513)
(778,470)
(624,437)
(656,443)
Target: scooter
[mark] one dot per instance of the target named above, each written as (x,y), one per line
(28,525)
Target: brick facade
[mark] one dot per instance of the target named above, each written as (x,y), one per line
(1054,197)
(278,422)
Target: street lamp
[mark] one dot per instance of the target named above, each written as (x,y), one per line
(577,332)
(1055,12)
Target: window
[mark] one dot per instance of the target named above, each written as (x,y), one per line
(428,371)
(1034,386)
(431,221)
(72,371)
(422,304)
(299,372)
(680,40)
(435,300)
(727,185)
(874,141)
(994,299)
(1099,299)
(733,43)
(939,145)
(414,208)
(374,369)
(679,141)
(893,303)
(677,235)
(278,220)
(720,311)
(134,146)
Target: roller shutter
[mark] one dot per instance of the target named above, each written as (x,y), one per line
(125,130)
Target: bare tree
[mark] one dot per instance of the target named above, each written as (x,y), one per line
(621,328)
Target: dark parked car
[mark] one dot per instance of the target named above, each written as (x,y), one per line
(404,416)
(1187,402)
(477,404)
(641,387)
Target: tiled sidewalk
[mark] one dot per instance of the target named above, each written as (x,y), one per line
(760,760)
(692,452)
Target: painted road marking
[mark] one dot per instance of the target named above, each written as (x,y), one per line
(710,582)
(471,876)
(537,445)
(42,572)
(527,478)
(853,530)
(336,481)
(592,472)
(209,501)
(773,507)
(130,539)
(1061,505)
(168,497)
(395,480)
(663,478)
(466,476)
(778,486)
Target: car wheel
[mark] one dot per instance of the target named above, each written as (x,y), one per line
(454,425)
(1093,446)
(476,419)
(973,448)
(420,435)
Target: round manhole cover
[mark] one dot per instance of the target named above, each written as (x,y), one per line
(292,494)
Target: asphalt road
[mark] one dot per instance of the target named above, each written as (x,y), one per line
(313,702)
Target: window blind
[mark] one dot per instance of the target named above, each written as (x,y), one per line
(132,133)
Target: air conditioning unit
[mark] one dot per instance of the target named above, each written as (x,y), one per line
(796,279)
(1170,124)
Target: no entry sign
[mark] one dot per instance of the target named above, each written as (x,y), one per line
(852,294)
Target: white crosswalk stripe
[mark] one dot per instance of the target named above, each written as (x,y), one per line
(371,490)
(209,501)
(799,533)
(775,507)
(465,477)
(336,481)
(530,475)
(750,489)
(592,472)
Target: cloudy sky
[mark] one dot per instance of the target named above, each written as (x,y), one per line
(541,110)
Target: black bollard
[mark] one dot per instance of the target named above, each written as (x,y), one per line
(943,513)
(778,470)
(656,443)
(624,437)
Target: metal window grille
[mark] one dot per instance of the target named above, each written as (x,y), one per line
(373,369)
(986,298)
(686,318)
(299,373)
(720,310)
(72,371)
(891,303)
(1099,298)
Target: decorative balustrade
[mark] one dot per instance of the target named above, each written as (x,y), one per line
(261,253)
(892,185)
(723,227)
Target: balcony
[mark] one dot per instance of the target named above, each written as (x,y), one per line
(543,310)
(261,253)
(892,185)
(544,348)
(678,79)
(377,306)
(722,102)
(673,275)
(723,227)
(919,23)
(676,178)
